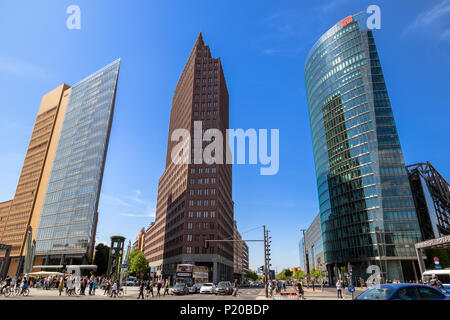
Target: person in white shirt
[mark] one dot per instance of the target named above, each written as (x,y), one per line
(339,289)
(114,289)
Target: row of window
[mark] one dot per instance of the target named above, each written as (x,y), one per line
(199,214)
(206,64)
(210,80)
(201,192)
(198,225)
(202,180)
(197,250)
(206,72)
(203,113)
(206,122)
(210,96)
(210,88)
(204,105)
(206,203)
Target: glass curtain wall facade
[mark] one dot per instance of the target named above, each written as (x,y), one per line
(69,216)
(366,208)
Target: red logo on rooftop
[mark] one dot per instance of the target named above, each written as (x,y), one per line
(346,21)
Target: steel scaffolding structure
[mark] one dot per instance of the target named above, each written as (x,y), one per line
(439,190)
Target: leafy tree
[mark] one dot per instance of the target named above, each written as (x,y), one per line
(138,264)
(323,275)
(251,275)
(342,272)
(132,255)
(299,274)
(283,275)
(314,273)
(101,258)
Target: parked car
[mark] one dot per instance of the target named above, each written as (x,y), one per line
(208,288)
(180,289)
(195,287)
(402,291)
(224,287)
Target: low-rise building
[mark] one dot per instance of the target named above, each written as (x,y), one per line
(311,248)
(240,255)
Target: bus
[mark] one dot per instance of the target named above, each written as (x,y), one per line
(191,274)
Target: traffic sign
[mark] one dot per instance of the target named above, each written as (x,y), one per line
(351,289)
(436,263)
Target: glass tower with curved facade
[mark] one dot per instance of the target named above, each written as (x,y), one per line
(366,207)
(68,222)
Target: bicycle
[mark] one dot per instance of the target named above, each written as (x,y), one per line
(120,293)
(21,292)
(6,291)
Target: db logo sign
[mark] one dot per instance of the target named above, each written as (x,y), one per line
(346,21)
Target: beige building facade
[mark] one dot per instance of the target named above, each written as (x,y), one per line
(24,209)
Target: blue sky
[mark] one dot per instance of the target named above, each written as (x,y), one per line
(263,46)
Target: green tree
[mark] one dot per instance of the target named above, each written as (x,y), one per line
(300,275)
(283,275)
(288,272)
(101,258)
(251,275)
(132,255)
(138,264)
(315,274)
(342,269)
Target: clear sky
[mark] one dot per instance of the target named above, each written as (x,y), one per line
(263,46)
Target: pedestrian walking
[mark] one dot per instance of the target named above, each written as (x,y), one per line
(149,288)
(61,286)
(91,285)
(166,288)
(141,290)
(235,287)
(70,286)
(107,287)
(271,285)
(96,282)
(114,290)
(339,289)
(301,291)
(158,289)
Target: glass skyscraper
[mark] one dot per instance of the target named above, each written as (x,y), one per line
(366,207)
(69,216)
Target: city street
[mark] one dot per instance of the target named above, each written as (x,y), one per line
(131,293)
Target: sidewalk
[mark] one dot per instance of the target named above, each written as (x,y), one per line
(317,294)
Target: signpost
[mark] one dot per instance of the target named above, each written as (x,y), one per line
(351,289)
(437,264)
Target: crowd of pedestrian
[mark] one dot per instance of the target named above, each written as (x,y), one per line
(70,284)
(147,288)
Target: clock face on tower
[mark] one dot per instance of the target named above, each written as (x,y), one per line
(113,251)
